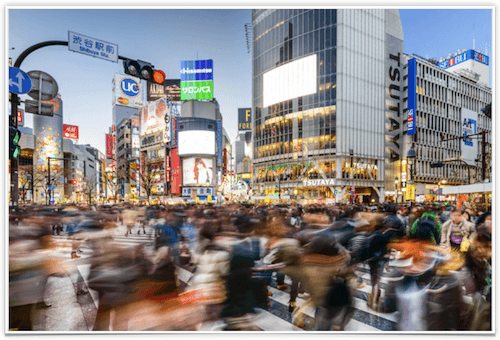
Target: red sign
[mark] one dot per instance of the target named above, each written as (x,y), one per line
(135,121)
(70,131)
(109,146)
(176,172)
(167,168)
(20,116)
(225,162)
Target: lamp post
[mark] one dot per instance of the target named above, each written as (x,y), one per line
(396,185)
(410,156)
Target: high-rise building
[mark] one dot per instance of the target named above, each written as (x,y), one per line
(443,104)
(327,102)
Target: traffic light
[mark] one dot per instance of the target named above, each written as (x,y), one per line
(15,136)
(487,110)
(437,165)
(144,70)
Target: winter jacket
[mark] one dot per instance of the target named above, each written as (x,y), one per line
(464,228)
(212,268)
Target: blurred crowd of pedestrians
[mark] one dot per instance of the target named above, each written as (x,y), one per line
(433,256)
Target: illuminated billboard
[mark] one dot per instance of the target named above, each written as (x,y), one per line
(127,91)
(70,131)
(295,79)
(197,90)
(196,142)
(197,171)
(152,117)
(197,80)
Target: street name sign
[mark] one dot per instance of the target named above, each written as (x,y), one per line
(92,47)
(19,82)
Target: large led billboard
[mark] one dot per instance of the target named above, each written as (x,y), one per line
(197,171)
(197,90)
(196,142)
(197,80)
(295,79)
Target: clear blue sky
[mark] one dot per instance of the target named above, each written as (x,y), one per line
(167,36)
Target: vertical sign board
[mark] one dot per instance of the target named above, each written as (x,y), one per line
(173,143)
(245,119)
(468,146)
(109,146)
(393,108)
(176,172)
(219,143)
(135,137)
(412,96)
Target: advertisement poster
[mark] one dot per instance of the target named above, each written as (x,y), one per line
(171,89)
(197,171)
(133,172)
(109,146)
(245,119)
(176,172)
(70,131)
(196,80)
(468,146)
(127,91)
(152,117)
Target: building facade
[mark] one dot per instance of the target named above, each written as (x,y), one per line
(444,102)
(327,102)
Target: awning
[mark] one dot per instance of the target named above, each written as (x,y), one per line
(467,189)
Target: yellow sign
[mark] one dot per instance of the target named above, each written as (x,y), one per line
(268,199)
(209,198)
(197,200)
(403,166)
(410,192)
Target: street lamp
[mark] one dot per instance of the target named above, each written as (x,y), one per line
(396,185)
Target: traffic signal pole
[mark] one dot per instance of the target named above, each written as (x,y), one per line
(14,164)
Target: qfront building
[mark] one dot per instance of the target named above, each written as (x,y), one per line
(327,105)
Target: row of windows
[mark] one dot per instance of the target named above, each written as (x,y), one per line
(277,54)
(448,171)
(297,145)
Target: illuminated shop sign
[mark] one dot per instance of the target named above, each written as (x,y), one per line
(274,167)
(318,182)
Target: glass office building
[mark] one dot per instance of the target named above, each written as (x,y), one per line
(327,102)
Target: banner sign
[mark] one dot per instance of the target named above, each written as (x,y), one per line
(176,172)
(70,131)
(468,146)
(92,47)
(462,57)
(412,96)
(174,132)
(244,119)
(109,146)
(167,168)
(219,143)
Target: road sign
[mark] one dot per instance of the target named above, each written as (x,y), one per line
(48,89)
(51,187)
(92,47)
(38,108)
(276,187)
(19,82)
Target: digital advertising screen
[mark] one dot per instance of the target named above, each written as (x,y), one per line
(197,171)
(295,79)
(196,142)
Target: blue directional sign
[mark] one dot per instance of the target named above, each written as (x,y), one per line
(19,82)
(51,188)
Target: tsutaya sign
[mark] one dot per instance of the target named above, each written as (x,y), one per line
(364,166)
(318,182)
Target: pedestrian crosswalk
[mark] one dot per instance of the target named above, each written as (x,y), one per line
(277,317)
